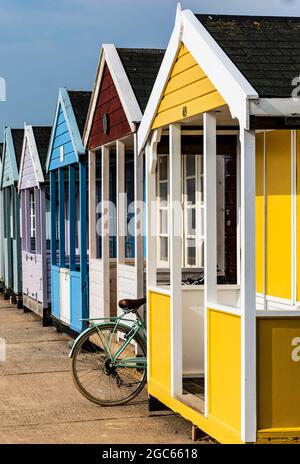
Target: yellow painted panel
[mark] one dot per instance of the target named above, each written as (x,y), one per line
(279,214)
(217,429)
(186,94)
(224,368)
(159,333)
(189,92)
(278,371)
(183,63)
(178,82)
(298,214)
(260,213)
(194,107)
(183,51)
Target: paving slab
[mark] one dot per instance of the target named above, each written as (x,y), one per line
(40,404)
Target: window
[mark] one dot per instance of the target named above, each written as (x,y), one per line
(32,215)
(192,208)
(163,210)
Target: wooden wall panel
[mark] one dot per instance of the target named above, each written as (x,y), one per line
(108,103)
(28,178)
(189,92)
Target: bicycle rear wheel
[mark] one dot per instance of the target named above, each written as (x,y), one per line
(99,380)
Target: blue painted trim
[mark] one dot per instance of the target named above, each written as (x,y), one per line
(61,210)
(72,224)
(83,228)
(53,216)
(55,291)
(65,104)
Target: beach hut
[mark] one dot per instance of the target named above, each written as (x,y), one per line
(1,232)
(124,81)
(224,76)
(34,190)
(10,214)
(67,166)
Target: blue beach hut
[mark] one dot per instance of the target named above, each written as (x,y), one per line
(67,165)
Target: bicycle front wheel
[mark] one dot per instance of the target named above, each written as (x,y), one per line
(99,379)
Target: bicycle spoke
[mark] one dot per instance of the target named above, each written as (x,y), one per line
(96,375)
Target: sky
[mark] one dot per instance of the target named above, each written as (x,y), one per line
(46,44)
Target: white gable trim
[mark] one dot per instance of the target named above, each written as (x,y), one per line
(94,99)
(225,76)
(9,150)
(110,56)
(161,81)
(65,103)
(37,168)
(123,86)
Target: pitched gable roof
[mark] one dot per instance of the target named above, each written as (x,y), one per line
(80,103)
(67,129)
(133,72)
(17,136)
(265,49)
(141,66)
(42,139)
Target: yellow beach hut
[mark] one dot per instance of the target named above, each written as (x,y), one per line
(227,357)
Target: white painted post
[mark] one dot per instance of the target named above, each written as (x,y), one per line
(151,225)
(92,205)
(210,206)
(105,233)
(175,250)
(248,286)
(139,219)
(121,204)
(210,226)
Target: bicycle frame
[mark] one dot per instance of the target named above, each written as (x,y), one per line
(137,326)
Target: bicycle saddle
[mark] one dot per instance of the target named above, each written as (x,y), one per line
(132,305)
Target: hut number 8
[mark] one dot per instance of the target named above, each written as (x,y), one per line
(296,350)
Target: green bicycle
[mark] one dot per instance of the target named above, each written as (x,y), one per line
(109,359)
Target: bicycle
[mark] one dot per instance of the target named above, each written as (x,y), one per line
(109,359)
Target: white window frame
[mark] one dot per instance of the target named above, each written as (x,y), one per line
(199,207)
(32,215)
(163,208)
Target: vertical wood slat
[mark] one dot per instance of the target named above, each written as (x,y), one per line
(37,200)
(139,219)
(105,233)
(72,215)
(83,217)
(151,225)
(175,221)
(42,233)
(53,216)
(92,205)
(248,285)
(121,204)
(61,209)
(210,227)
(17,259)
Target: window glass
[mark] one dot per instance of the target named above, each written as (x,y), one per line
(32,212)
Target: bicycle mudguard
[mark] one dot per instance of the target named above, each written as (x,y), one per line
(87,330)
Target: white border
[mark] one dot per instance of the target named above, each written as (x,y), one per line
(38,171)
(109,55)
(225,76)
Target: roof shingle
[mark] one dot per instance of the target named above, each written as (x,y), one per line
(141,66)
(266,49)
